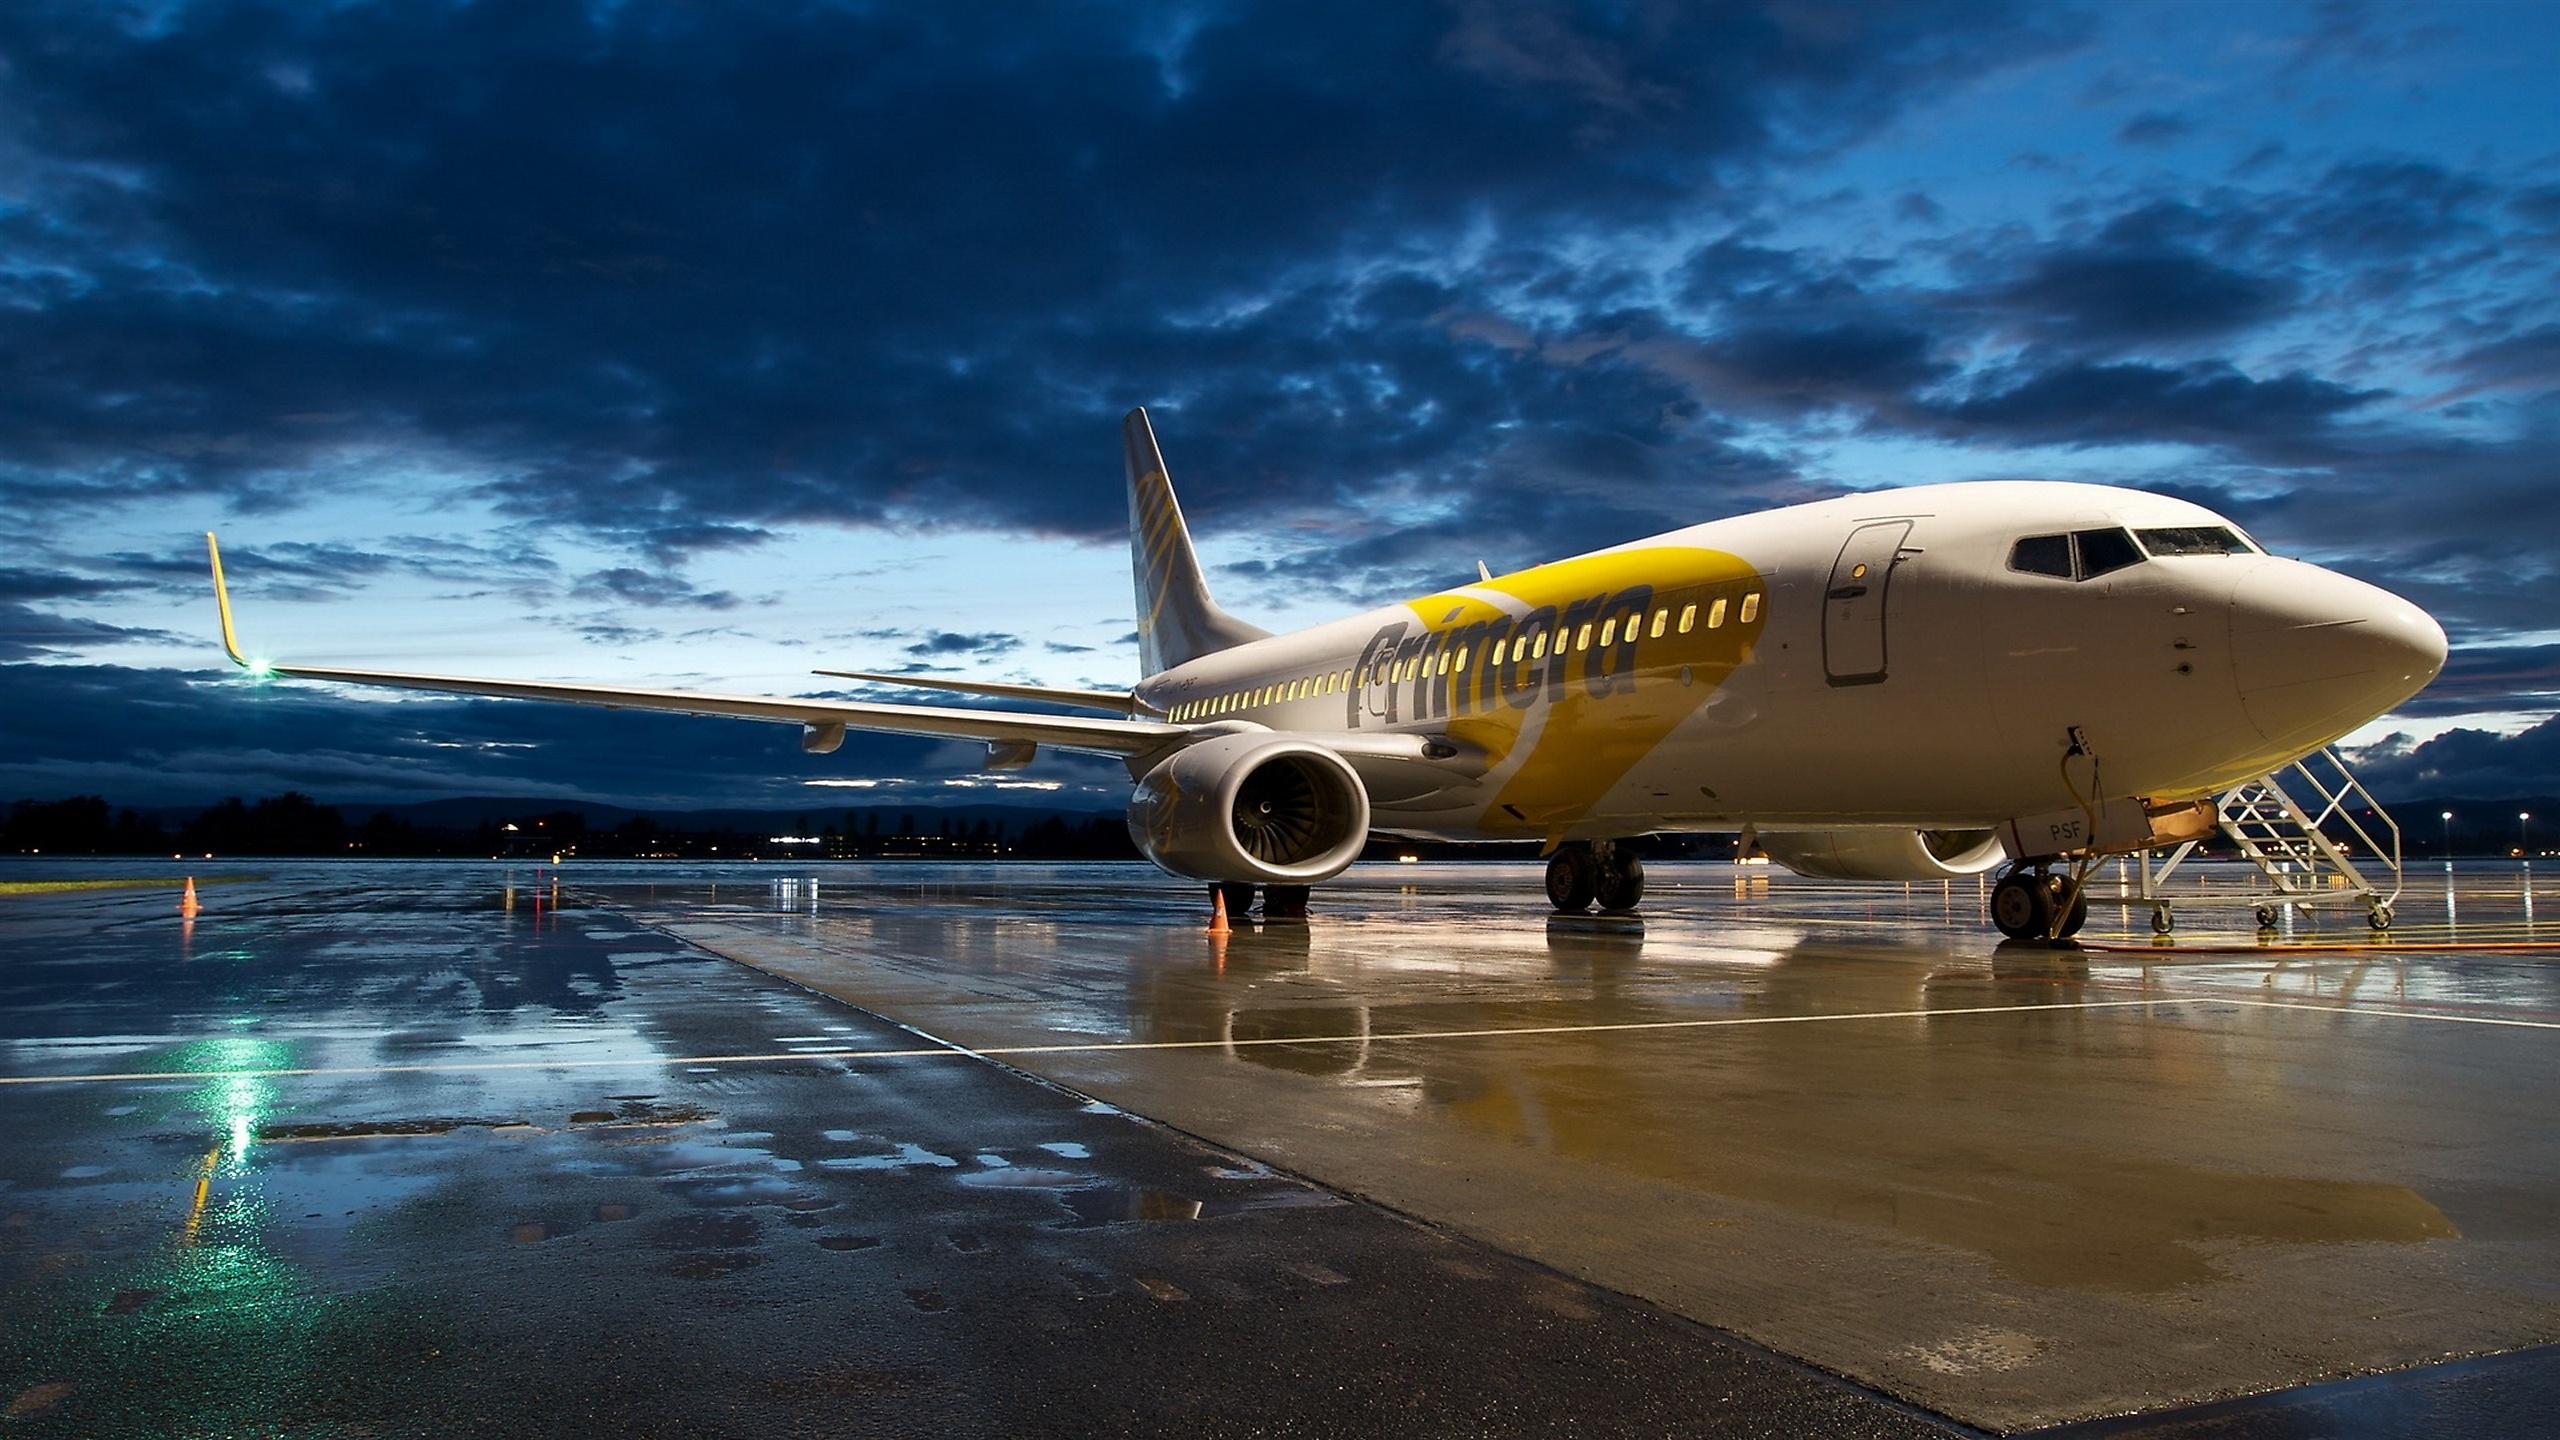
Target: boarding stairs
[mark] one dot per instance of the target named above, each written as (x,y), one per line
(2317,838)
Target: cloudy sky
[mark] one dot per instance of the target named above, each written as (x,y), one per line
(706,344)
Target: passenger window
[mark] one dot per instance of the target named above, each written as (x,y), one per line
(1583,640)
(1688,618)
(1661,618)
(2103,551)
(2193,540)
(2042,555)
(1462,657)
(1608,634)
(1715,614)
(1750,607)
(1538,647)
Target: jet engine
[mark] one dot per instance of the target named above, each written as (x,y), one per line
(1267,809)
(1884,854)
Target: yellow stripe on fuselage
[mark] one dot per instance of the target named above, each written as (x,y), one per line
(1599,704)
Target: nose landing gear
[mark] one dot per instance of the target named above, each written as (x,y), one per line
(1602,871)
(2027,903)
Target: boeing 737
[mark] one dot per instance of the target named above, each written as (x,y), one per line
(1909,684)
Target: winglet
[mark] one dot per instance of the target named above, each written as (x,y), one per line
(222,603)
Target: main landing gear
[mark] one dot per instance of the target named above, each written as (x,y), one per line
(1603,871)
(1279,902)
(2028,900)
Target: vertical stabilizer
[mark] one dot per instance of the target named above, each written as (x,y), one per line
(1177,621)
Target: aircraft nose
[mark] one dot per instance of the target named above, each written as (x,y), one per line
(2317,654)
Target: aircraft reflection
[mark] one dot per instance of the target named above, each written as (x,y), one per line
(2069,1147)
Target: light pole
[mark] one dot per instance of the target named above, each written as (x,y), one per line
(2524,846)
(2448,839)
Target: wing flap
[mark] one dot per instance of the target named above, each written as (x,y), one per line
(1118,702)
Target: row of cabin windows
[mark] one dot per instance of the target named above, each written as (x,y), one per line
(1505,652)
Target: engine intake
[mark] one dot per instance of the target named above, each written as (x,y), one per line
(1884,854)
(1267,809)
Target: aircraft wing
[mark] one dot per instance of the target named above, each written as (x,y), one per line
(1092,734)
(1119,702)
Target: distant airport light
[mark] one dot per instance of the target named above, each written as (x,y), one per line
(795,840)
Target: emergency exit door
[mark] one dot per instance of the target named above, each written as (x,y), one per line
(1853,604)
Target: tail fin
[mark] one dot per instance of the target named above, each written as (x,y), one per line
(1177,621)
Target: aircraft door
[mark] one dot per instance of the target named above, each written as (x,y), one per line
(1853,641)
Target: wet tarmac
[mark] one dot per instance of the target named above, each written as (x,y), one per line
(458,1149)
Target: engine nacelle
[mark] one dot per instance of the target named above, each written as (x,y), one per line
(1884,854)
(1269,809)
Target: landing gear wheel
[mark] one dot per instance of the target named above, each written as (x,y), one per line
(1621,881)
(2022,906)
(1285,902)
(1573,880)
(2268,915)
(1239,898)
(2379,917)
(2162,922)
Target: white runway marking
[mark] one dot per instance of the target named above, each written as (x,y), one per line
(1113,1046)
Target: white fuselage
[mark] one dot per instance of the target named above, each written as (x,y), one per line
(1879,660)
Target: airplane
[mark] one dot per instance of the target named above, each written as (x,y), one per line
(1910,684)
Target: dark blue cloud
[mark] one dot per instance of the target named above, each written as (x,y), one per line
(2467,764)
(650,268)
(2155,127)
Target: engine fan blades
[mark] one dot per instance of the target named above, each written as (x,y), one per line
(1279,814)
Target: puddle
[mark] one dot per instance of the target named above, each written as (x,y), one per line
(616,1211)
(1112,1206)
(848,1242)
(1016,1178)
(1066,1150)
(908,1154)
(531,1231)
(128,1301)
(722,1192)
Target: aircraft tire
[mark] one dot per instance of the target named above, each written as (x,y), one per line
(1285,902)
(1619,886)
(1239,898)
(2022,906)
(1573,879)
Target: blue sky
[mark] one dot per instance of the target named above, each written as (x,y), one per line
(708,345)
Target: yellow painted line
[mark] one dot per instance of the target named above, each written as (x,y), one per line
(1000,1052)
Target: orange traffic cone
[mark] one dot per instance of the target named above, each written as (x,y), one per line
(1218,910)
(187,905)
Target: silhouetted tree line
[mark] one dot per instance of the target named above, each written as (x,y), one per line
(296,824)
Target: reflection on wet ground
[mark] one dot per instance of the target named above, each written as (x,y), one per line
(435,1149)
(2022,1186)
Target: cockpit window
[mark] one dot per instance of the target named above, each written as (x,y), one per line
(2042,555)
(2080,555)
(2104,550)
(2194,540)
